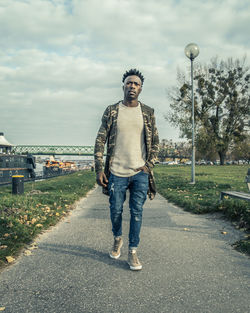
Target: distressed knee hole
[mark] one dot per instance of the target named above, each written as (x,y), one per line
(112,188)
(137,219)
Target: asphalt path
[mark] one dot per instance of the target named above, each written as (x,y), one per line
(188,263)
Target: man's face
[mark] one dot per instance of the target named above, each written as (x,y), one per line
(132,87)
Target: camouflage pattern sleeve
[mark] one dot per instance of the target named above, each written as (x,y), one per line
(101,139)
(154,144)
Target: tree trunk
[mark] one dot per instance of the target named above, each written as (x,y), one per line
(222,155)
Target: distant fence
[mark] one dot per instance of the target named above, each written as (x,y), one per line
(41,176)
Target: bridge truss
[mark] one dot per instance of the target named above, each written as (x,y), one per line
(54,150)
(68,150)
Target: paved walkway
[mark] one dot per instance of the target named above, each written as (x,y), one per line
(188,266)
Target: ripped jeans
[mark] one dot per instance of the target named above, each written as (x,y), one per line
(138,187)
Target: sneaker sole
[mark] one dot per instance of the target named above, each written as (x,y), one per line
(135,268)
(114,257)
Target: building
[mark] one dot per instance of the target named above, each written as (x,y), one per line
(5,146)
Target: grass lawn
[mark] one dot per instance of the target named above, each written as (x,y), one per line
(44,203)
(22,217)
(203,197)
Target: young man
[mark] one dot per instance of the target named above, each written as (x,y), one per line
(132,139)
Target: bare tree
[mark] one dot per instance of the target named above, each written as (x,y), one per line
(222,104)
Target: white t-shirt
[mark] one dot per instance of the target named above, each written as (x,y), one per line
(130,150)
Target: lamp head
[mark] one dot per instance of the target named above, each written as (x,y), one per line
(192,51)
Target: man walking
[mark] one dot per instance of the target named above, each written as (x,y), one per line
(132,139)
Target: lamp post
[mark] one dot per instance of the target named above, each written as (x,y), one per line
(192,51)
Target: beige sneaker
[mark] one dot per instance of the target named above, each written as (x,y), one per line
(116,252)
(133,261)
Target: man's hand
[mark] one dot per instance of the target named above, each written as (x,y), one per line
(101,179)
(142,168)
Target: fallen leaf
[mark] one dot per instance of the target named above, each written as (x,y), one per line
(186,229)
(33,247)
(6,235)
(10,259)
(27,252)
(33,220)
(3,247)
(224,232)
(2,308)
(39,225)
(57,214)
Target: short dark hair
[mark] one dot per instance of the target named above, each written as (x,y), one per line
(133,72)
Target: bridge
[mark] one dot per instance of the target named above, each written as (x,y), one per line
(53,150)
(75,150)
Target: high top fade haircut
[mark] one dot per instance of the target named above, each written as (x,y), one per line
(133,72)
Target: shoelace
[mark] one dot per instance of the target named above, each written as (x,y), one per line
(116,245)
(135,258)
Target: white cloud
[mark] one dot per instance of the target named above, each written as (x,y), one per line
(61,62)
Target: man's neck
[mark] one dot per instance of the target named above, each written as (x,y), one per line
(130,103)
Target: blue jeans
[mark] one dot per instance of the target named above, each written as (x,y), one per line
(138,187)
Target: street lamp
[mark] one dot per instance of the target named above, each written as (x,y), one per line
(192,51)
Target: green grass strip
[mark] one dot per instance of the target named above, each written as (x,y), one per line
(173,182)
(44,203)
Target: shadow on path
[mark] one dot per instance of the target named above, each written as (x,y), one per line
(85,252)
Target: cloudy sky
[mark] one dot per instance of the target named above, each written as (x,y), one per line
(61,61)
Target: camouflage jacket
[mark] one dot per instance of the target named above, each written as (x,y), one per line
(107,134)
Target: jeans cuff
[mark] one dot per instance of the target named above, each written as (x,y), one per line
(132,248)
